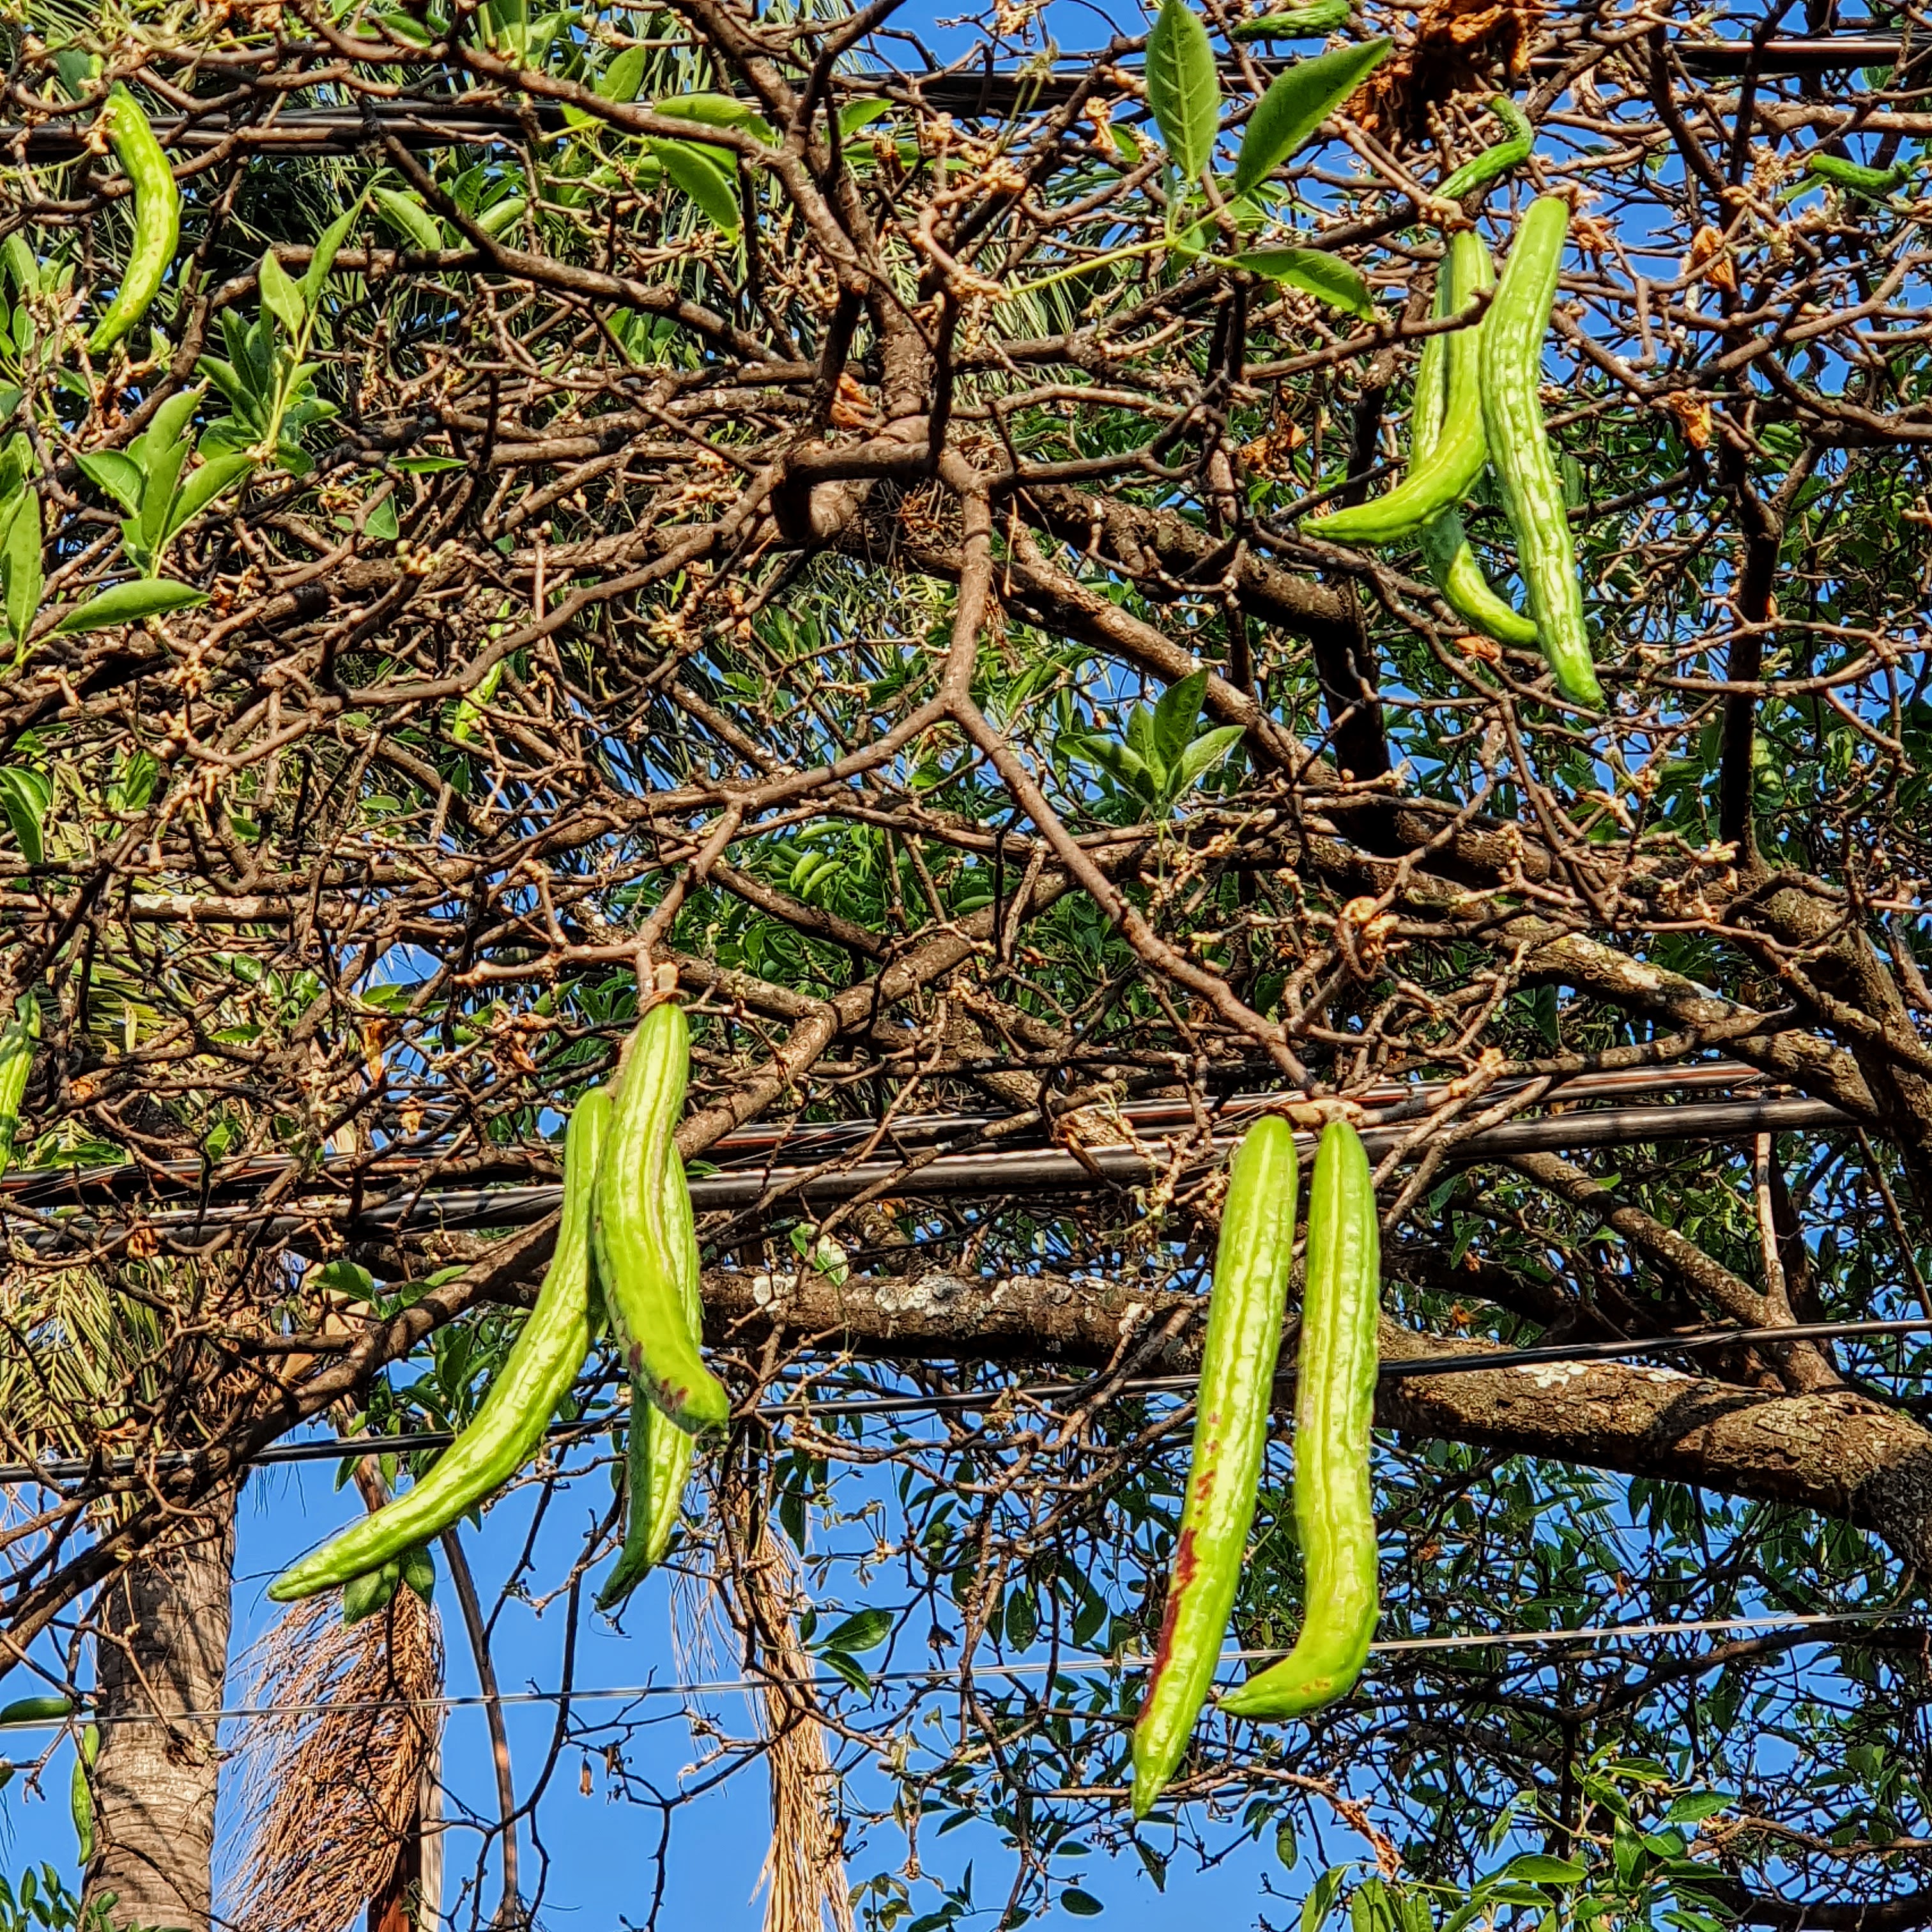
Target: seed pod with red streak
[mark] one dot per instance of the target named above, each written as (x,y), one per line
(1244,1316)
(1334,1407)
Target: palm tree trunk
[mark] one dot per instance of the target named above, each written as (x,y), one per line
(161,1653)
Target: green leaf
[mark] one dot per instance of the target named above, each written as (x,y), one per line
(863,1630)
(202,487)
(502,215)
(17,258)
(622,79)
(364,1596)
(721,110)
(134,785)
(166,428)
(1126,767)
(1174,716)
(1022,1619)
(1205,753)
(1286,1848)
(344,1277)
(158,497)
(1535,1868)
(418,1565)
(693,172)
(25,796)
(1081,1904)
(409,218)
(16,462)
(279,292)
(1320,1900)
(855,114)
(1183,91)
(1699,1806)
(128,604)
(323,259)
(1296,105)
(854,1674)
(80,1799)
(1327,278)
(20,566)
(116,473)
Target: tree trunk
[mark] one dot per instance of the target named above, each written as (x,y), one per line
(161,1650)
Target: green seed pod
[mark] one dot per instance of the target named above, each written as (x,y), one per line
(1298,23)
(1252,1264)
(43,1710)
(157,217)
(509,1427)
(657,1453)
(637,1257)
(1438,479)
(1334,1405)
(1496,159)
(80,1790)
(1869,183)
(1532,490)
(1452,564)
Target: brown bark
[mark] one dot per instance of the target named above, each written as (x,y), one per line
(1833,1451)
(161,1651)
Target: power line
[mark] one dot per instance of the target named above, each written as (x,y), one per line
(1025,1171)
(1063,1667)
(1399,1369)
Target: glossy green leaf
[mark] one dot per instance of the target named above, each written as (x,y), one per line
(323,259)
(129,603)
(1184,91)
(25,796)
(116,473)
(1297,103)
(281,293)
(203,486)
(693,173)
(409,218)
(717,110)
(20,577)
(166,428)
(622,79)
(1327,278)
(863,1630)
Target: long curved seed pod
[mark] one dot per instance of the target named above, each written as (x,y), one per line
(157,217)
(1511,152)
(636,1255)
(18,1038)
(657,1453)
(1512,372)
(1251,1270)
(1334,1404)
(1451,563)
(1435,482)
(505,1431)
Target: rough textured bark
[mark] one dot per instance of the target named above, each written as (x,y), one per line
(161,1650)
(1834,1451)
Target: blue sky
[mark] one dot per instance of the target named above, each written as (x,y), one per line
(601,1869)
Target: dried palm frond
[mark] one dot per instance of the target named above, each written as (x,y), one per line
(758,1583)
(333,1783)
